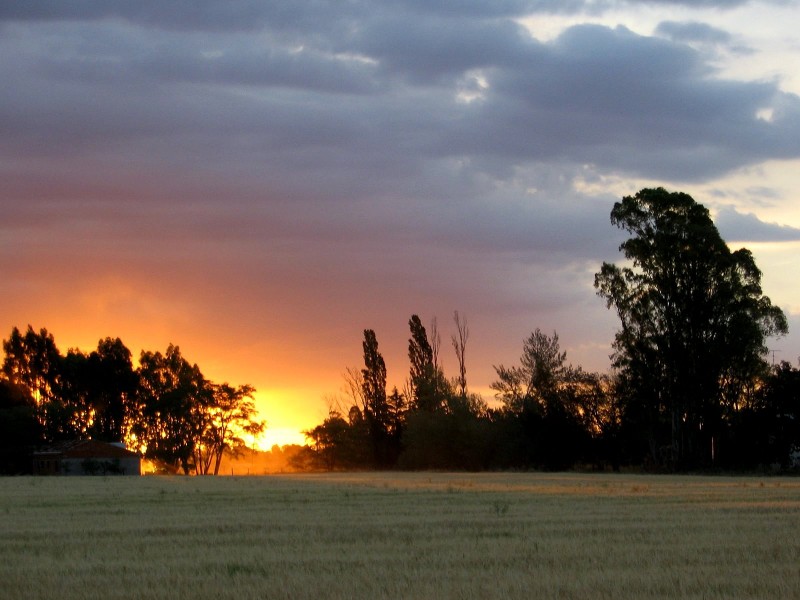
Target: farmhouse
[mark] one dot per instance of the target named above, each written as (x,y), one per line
(86,457)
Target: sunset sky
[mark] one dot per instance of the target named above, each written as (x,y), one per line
(258,182)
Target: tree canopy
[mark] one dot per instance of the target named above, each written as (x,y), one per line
(694,322)
(166,409)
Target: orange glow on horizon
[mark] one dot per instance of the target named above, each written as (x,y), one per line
(284,436)
(287,398)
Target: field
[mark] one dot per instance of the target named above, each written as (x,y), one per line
(400,535)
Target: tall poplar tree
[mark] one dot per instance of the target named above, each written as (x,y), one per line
(424,376)
(376,408)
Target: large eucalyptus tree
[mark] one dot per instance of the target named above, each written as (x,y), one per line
(694,323)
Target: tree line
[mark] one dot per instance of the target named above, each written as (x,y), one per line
(690,387)
(165,409)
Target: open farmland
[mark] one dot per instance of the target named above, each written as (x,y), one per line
(400,535)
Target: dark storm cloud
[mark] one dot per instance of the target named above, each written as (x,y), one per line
(374,126)
(693,32)
(747,227)
(702,35)
(207,15)
(425,50)
(643,105)
(595,95)
(250,15)
(284,15)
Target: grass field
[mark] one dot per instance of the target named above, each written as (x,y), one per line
(400,535)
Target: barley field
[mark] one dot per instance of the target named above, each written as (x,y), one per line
(400,535)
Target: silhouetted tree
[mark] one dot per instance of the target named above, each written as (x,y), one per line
(330,443)
(74,397)
(426,379)
(377,411)
(92,392)
(544,396)
(447,441)
(398,409)
(354,388)
(356,449)
(171,410)
(542,368)
(77,395)
(113,386)
(436,343)
(20,429)
(765,432)
(166,409)
(32,362)
(339,443)
(230,415)
(459,341)
(458,436)
(693,322)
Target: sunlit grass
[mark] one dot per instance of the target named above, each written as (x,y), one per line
(407,535)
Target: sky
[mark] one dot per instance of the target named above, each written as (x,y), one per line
(258,182)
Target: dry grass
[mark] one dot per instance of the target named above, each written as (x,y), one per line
(407,535)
